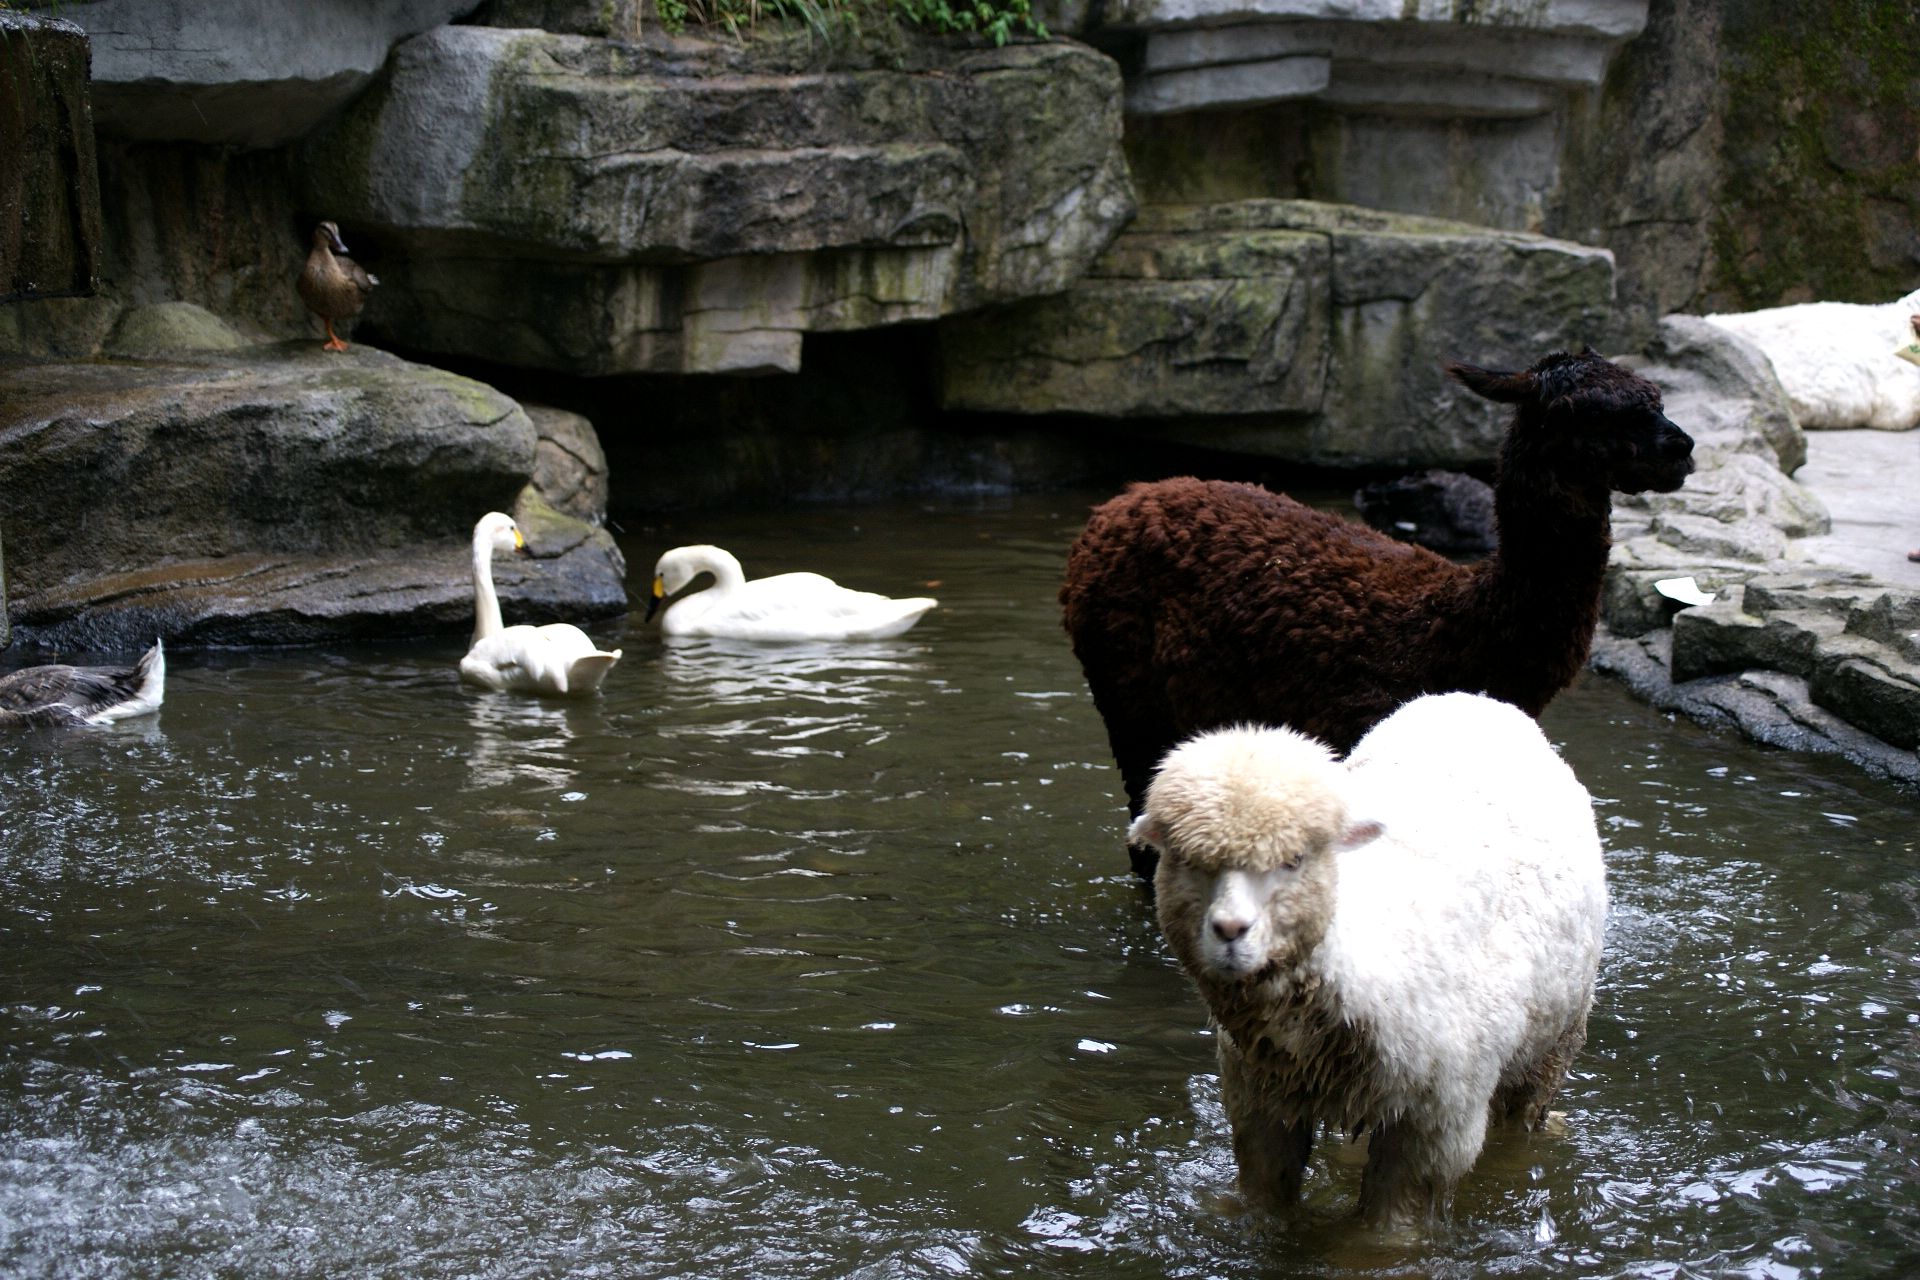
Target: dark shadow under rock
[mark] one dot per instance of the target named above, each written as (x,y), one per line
(1446,511)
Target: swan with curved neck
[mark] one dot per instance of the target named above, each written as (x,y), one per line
(558,659)
(786,606)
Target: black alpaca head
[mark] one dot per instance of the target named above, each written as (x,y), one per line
(1585,419)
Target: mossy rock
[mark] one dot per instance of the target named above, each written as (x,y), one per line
(272,495)
(170,328)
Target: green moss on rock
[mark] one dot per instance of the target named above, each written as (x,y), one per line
(1821,183)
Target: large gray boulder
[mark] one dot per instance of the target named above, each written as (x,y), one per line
(679,205)
(1307,332)
(272,495)
(569,466)
(245,73)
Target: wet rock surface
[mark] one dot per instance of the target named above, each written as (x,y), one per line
(1768,706)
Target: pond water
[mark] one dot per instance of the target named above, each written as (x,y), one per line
(825,961)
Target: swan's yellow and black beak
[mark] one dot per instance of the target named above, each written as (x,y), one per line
(659,598)
(520,543)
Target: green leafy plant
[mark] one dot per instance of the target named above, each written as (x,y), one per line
(998,20)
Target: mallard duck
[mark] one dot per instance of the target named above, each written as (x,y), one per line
(333,286)
(558,659)
(60,694)
(787,606)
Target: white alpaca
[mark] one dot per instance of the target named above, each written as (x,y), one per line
(1836,360)
(1402,943)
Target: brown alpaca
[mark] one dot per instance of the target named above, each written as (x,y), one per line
(1194,604)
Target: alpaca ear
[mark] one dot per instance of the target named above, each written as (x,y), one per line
(1359,832)
(1493,384)
(1145,830)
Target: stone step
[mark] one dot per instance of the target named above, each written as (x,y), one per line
(1412,67)
(1868,690)
(1857,646)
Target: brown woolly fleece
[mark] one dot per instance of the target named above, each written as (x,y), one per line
(1194,604)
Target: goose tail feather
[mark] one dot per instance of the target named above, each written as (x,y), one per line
(134,692)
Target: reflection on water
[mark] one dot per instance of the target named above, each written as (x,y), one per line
(519,743)
(824,961)
(783,700)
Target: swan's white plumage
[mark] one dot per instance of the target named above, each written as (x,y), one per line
(556,659)
(787,606)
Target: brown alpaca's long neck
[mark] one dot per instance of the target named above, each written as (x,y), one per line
(1534,603)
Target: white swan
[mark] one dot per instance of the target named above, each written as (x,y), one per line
(787,606)
(60,694)
(558,658)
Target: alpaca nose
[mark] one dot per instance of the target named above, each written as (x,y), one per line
(1230,928)
(1674,443)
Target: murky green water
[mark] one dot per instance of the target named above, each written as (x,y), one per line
(824,961)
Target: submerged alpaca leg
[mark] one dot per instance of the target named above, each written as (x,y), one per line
(1413,1164)
(1399,1187)
(1270,1149)
(1527,1097)
(1271,1155)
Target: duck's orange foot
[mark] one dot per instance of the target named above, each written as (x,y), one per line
(333,344)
